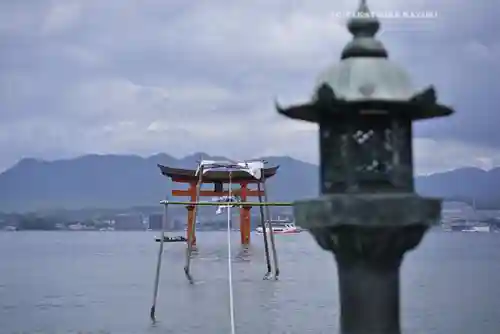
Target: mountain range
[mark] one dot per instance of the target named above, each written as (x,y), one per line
(122,181)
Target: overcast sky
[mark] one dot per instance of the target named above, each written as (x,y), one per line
(176,76)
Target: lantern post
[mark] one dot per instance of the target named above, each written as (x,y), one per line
(368,214)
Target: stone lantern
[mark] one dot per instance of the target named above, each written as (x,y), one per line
(368,214)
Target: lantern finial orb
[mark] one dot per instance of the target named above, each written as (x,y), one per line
(364,26)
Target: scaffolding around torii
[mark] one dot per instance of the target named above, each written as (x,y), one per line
(218,173)
(218,176)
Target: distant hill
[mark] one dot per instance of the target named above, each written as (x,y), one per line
(464,184)
(122,181)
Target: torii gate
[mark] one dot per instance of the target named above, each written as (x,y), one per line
(218,178)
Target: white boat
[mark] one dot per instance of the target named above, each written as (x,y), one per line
(280,227)
(478,229)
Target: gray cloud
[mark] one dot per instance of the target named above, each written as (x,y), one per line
(130,76)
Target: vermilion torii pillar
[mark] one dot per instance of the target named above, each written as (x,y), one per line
(218,178)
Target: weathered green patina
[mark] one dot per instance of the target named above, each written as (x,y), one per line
(368,215)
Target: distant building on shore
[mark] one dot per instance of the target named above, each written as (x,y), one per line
(156,221)
(128,222)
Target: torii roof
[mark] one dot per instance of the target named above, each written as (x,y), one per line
(187,175)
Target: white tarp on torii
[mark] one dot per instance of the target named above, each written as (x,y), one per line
(254,168)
